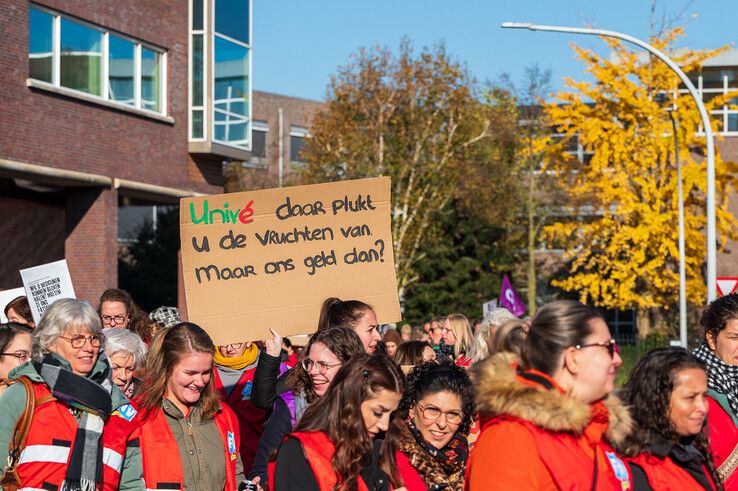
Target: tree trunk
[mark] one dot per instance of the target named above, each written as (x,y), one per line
(531,251)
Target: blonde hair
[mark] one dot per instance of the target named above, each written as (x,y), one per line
(459,325)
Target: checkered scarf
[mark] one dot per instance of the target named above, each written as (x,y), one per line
(90,399)
(721,377)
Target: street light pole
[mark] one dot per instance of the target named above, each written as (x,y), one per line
(710,144)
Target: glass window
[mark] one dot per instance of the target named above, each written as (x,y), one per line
(150,79)
(197,70)
(732,77)
(258,144)
(81,55)
(197,17)
(197,124)
(230,92)
(712,79)
(40,45)
(121,71)
(732,122)
(232,19)
(296,144)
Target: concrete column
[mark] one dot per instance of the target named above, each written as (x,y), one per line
(91,244)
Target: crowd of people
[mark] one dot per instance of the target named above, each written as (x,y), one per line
(113,399)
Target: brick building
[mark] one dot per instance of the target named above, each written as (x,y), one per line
(108,105)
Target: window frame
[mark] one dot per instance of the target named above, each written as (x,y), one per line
(205,71)
(209,6)
(104,98)
(725,90)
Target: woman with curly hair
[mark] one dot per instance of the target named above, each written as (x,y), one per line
(326,351)
(549,421)
(719,353)
(437,406)
(667,394)
(333,449)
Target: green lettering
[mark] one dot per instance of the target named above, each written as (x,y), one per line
(204,217)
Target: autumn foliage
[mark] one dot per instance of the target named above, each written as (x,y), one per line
(622,239)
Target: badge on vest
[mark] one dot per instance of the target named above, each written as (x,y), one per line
(246,392)
(621,472)
(232,445)
(126,412)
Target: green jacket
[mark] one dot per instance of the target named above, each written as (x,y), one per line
(722,400)
(13,401)
(200,448)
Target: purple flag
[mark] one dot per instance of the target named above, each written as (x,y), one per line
(510,299)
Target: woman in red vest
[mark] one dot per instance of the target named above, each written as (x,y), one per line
(549,423)
(668,449)
(189,439)
(76,440)
(338,443)
(719,353)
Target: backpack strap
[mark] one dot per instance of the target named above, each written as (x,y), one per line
(20,433)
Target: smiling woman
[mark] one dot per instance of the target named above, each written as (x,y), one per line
(667,395)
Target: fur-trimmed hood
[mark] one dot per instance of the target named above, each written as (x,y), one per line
(500,393)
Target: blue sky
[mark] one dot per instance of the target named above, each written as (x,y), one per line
(298,44)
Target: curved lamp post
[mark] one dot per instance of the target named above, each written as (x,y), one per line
(711,227)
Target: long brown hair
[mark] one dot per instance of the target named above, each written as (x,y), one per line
(341,341)
(335,414)
(337,312)
(166,350)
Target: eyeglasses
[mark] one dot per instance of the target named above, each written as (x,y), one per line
(432,413)
(235,346)
(323,367)
(611,346)
(108,319)
(23,356)
(78,342)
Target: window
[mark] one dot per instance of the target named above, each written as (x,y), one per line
(258,144)
(297,141)
(94,61)
(714,82)
(225,37)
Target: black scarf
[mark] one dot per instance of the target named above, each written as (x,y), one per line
(452,457)
(90,399)
(721,377)
(687,456)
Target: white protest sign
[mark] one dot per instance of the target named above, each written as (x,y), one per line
(5,297)
(488,307)
(46,284)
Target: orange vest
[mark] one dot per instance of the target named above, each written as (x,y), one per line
(665,475)
(251,419)
(162,466)
(319,451)
(44,460)
(567,463)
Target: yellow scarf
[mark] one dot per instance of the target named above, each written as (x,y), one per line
(237,362)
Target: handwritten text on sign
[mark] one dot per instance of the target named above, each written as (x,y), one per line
(250,259)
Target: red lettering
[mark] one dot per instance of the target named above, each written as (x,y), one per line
(244,216)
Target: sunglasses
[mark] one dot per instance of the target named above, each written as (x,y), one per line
(610,345)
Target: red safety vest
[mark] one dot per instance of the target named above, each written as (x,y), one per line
(665,475)
(162,466)
(319,451)
(723,435)
(251,419)
(569,466)
(44,460)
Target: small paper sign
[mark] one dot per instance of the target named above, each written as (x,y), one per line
(46,284)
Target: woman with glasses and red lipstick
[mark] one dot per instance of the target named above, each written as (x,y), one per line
(719,353)
(668,449)
(438,408)
(74,440)
(549,422)
(325,353)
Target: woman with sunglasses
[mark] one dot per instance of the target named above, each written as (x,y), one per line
(16,345)
(325,353)
(438,407)
(77,419)
(719,353)
(549,422)
(233,379)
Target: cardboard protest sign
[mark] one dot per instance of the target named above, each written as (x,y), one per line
(45,284)
(5,297)
(269,258)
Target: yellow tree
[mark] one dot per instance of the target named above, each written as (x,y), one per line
(622,235)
